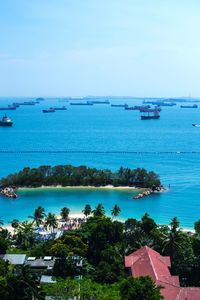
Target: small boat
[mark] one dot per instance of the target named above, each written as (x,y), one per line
(60,108)
(49,110)
(196,125)
(6,122)
(40,99)
(189,106)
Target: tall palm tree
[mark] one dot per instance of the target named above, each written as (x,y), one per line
(99,211)
(87,210)
(51,221)
(24,236)
(197,228)
(38,215)
(172,242)
(115,211)
(174,224)
(65,213)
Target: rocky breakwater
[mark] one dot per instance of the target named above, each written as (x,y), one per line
(150,191)
(8,192)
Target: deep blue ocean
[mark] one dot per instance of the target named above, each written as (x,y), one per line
(113,137)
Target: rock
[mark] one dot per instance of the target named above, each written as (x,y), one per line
(148,192)
(8,192)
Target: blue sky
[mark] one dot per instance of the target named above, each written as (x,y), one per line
(100,47)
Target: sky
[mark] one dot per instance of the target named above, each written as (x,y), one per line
(135,48)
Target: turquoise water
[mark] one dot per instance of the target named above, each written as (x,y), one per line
(155,145)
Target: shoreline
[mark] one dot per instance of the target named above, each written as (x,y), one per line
(106,187)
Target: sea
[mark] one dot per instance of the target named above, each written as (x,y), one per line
(102,136)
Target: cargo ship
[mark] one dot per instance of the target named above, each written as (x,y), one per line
(6,122)
(118,105)
(49,110)
(10,107)
(189,106)
(150,114)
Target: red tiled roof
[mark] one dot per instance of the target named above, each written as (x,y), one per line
(148,262)
(189,293)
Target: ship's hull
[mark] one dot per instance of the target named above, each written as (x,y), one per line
(48,111)
(82,104)
(7,108)
(150,117)
(188,106)
(6,124)
(118,105)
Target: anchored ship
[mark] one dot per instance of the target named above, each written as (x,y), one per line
(189,106)
(49,110)
(6,122)
(149,114)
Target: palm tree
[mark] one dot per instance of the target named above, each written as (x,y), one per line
(24,236)
(99,211)
(87,210)
(65,213)
(115,211)
(174,224)
(15,223)
(51,221)
(172,242)
(197,228)
(38,215)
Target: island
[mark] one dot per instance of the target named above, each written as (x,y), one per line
(68,175)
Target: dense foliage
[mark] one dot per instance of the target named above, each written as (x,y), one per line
(75,176)
(101,243)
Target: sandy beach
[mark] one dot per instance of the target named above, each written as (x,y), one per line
(81,215)
(71,216)
(106,187)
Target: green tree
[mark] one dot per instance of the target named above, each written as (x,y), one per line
(65,213)
(197,227)
(51,221)
(15,223)
(23,285)
(99,211)
(115,211)
(38,215)
(147,223)
(111,266)
(87,210)
(24,236)
(140,288)
(82,289)
(172,242)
